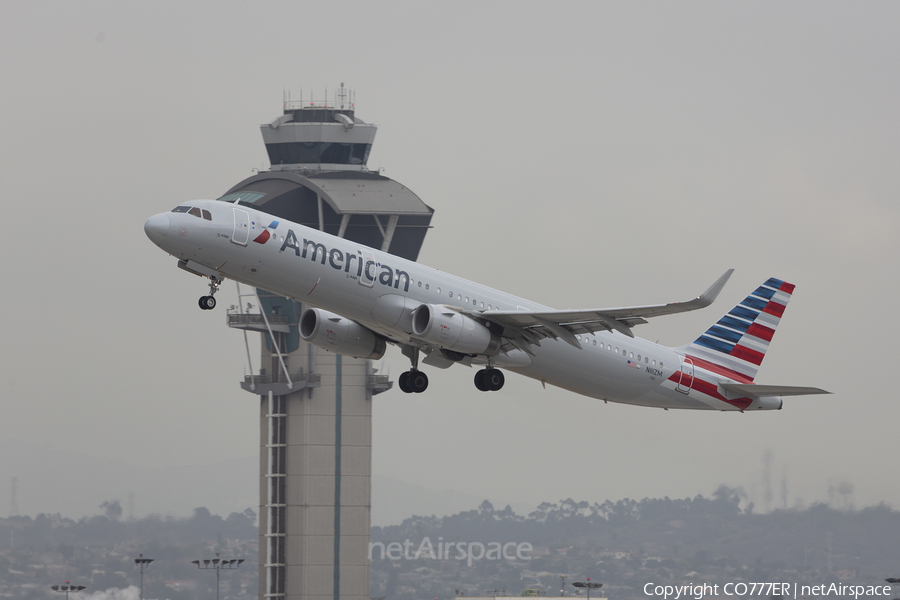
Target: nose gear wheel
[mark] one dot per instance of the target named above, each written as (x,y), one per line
(209,302)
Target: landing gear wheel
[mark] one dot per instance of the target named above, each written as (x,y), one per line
(413,382)
(403,382)
(479,381)
(417,381)
(493,379)
(208,302)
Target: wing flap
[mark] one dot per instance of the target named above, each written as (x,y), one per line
(528,326)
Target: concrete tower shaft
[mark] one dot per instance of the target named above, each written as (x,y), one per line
(316,406)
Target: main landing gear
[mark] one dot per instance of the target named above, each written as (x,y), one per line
(413,381)
(489,380)
(209,302)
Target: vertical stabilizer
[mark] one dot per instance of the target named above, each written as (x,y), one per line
(737,343)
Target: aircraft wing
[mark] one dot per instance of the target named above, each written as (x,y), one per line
(756,391)
(525,328)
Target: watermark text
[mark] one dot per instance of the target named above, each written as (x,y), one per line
(467,551)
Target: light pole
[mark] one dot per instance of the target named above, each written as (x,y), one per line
(67,588)
(142,563)
(893,581)
(218,565)
(588,585)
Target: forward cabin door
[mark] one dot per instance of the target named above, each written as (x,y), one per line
(241,232)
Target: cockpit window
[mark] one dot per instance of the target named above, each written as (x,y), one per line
(192,210)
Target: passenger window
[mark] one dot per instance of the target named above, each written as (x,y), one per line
(639,357)
(482,305)
(654,362)
(207,215)
(451,294)
(196,212)
(660,365)
(490,307)
(420,283)
(646,360)
(467,299)
(439,290)
(459,297)
(426,287)
(595,342)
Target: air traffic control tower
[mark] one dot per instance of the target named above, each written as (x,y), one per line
(316,406)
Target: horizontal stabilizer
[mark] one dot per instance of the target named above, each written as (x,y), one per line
(757,391)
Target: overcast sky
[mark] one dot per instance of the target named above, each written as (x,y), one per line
(581,154)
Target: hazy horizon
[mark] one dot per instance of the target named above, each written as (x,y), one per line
(579,154)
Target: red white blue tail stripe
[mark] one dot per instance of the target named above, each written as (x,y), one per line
(736,345)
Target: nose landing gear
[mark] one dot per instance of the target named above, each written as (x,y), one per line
(209,302)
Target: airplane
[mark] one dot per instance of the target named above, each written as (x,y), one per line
(358,299)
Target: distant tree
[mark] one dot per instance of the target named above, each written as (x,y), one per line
(112,510)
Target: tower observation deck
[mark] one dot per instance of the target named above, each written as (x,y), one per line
(319,137)
(316,406)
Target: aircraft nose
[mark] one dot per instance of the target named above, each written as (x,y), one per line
(156,228)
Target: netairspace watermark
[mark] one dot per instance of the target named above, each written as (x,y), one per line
(764,590)
(467,551)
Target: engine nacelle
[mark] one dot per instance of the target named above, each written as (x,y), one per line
(454,331)
(339,334)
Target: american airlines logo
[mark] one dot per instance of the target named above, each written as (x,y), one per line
(354,265)
(263,237)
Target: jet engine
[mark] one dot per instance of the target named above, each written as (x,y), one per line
(339,334)
(453,331)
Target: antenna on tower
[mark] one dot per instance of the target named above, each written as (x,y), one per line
(13,500)
(342,95)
